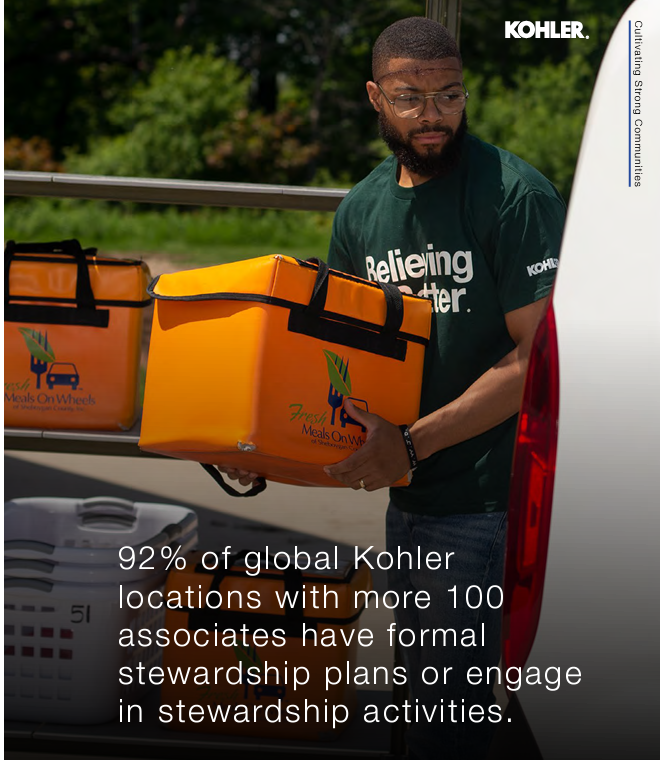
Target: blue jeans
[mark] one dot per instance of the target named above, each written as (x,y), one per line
(478,542)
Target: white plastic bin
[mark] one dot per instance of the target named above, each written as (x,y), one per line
(85,531)
(62,653)
(47,569)
(62,616)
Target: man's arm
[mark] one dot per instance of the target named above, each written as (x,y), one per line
(490,400)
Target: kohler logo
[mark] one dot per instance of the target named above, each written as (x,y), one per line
(540,29)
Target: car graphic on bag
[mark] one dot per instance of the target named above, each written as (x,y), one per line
(346,419)
(63,373)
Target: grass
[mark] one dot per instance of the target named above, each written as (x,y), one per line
(198,235)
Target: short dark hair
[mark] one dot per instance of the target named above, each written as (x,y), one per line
(415,37)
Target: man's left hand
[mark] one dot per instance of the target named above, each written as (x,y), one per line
(380,461)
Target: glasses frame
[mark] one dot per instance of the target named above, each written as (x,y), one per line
(426,96)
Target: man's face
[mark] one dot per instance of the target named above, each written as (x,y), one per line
(428,145)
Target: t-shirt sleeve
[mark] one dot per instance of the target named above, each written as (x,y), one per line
(338,254)
(527,249)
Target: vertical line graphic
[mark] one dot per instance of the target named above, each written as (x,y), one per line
(629,100)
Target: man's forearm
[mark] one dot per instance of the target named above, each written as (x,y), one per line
(490,400)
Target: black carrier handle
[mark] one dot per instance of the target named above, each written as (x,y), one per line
(258,485)
(294,623)
(291,622)
(316,322)
(85,312)
(393,298)
(292,577)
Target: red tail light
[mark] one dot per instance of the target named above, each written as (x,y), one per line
(530,499)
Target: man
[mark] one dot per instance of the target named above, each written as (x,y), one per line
(463,223)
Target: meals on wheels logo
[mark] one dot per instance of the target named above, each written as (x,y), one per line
(49,374)
(333,426)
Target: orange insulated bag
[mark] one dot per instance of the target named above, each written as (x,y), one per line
(73,333)
(250,363)
(268,653)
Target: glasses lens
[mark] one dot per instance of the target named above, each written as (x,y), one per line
(450,102)
(409,106)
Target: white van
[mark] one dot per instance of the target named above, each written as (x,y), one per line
(583,558)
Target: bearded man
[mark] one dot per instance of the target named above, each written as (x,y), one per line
(476,230)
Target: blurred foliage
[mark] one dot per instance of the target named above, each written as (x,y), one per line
(540,118)
(169,122)
(33,155)
(273,90)
(270,147)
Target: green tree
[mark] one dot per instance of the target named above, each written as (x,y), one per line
(263,147)
(540,118)
(169,123)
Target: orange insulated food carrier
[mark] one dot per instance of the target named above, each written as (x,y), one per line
(270,654)
(73,332)
(250,363)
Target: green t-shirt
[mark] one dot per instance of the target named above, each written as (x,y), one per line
(480,241)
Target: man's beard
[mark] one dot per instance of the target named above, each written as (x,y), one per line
(429,164)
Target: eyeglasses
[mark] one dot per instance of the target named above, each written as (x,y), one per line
(412,105)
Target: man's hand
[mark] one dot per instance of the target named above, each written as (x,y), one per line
(380,461)
(244,477)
